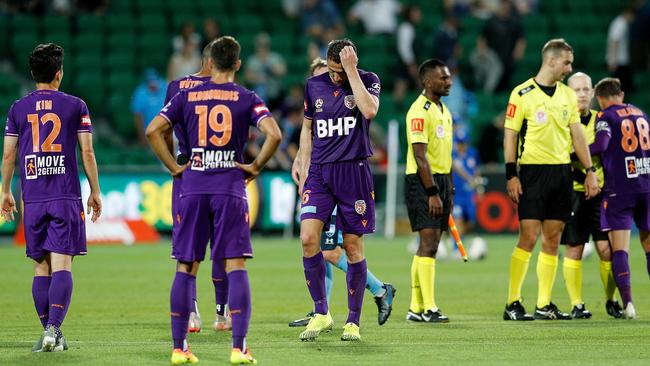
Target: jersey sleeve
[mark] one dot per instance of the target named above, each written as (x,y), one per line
(514,112)
(85,124)
(372,84)
(173,110)
(11,129)
(417,125)
(171,91)
(603,126)
(259,111)
(574,112)
(309,106)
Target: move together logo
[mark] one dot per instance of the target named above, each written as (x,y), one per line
(36,166)
(636,166)
(212,159)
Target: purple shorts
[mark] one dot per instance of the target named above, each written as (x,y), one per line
(349,185)
(618,211)
(56,226)
(218,218)
(176,193)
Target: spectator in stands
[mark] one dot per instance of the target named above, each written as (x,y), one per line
(321,17)
(210,31)
(486,65)
(92,6)
(377,16)
(291,126)
(406,41)
(618,49)
(146,102)
(459,99)
(640,38)
(185,62)
(188,35)
(490,145)
(445,40)
(481,9)
(294,98)
(265,69)
(504,34)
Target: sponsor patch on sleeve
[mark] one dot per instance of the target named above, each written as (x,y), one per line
(85,120)
(417,125)
(260,108)
(511,110)
(603,126)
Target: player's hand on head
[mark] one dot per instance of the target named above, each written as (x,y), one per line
(435,206)
(8,206)
(94,206)
(349,59)
(514,189)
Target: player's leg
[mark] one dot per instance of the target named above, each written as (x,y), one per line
(547,263)
(194,321)
(604,251)
(40,294)
(333,257)
(220,281)
(356,277)
(239,302)
(572,272)
(620,240)
(528,232)
(426,273)
(59,295)
(193,234)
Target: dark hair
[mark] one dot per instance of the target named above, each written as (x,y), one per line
(608,87)
(335,47)
(45,61)
(556,45)
(428,65)
(225,53)
(315,64)
(207,51)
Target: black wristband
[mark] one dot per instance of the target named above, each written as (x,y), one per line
(432,191)
(591,169)
(511,170)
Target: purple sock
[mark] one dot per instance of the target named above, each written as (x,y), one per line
(647,261)
(315,276)
(621,269)
(40,293)
(239,301)
(180,298)
(220,282)
(356,280)
(192,288)
(59,296)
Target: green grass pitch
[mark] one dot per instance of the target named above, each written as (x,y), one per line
(120,306)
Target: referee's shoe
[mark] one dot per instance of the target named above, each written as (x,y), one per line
(516,311)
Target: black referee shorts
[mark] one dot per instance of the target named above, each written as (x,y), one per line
(584,221)
(547,192)
(417,202)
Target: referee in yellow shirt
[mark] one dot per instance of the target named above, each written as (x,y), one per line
(542,121)
(428,186)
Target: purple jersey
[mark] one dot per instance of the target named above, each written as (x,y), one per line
(341,132)
(46,123)
(627,159)
(174,86)
(214,120)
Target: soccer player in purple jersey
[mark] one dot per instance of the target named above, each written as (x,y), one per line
(331,246)
(334,170)
(213,120)
(219,278)
(45,127)
(623,141)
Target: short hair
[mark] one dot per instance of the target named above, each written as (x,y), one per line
(207,51)
(608,87)
(315,64)
(578,74)
(429,65)
(225,53)
(556,45)
(45,61)
(335,47)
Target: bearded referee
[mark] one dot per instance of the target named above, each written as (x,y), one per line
(542,122)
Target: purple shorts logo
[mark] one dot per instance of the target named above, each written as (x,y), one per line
(360,207)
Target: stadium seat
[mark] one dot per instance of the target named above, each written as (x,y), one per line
(148,6)
(89,42)
(89,86)
(152,22)
(56,24)
(25,23)
(90,23)
(119,105)
(120,6)
(21,45)
(121,81)
(121,42)
(120,23)
(120,61)
(62,39)
(247,23)
(244,6)
(211,8)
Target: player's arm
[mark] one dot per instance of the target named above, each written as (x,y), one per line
(424,172)
(295,168)
(8,166)
(271,130)
(367,103)
(90,168)
(510,157)
(304,150)
(582,150)
(169,141)
(156,131)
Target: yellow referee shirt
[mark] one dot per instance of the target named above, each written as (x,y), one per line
(542,122)
(427,124)
(590,134)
